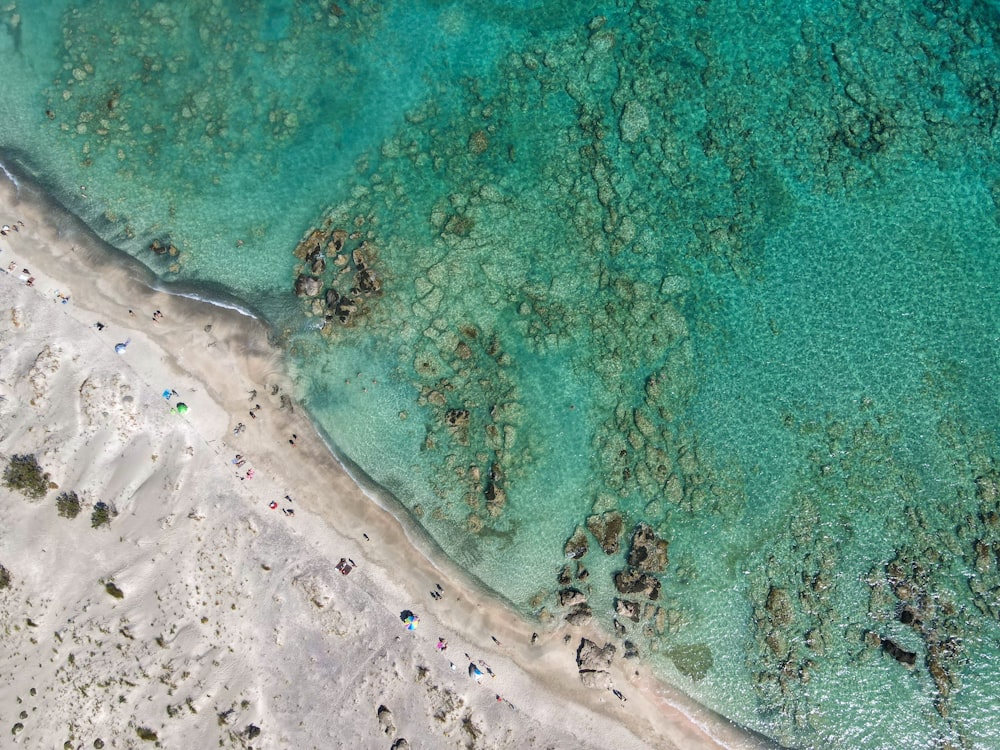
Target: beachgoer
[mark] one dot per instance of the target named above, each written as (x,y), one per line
(250,473)
(442,644)
(496,641)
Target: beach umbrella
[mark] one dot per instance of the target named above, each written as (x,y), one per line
(182,408)
(474,672)
(120,348)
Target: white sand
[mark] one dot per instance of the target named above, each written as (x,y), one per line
(233,614)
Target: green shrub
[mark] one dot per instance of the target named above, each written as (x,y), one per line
(116,592)
(68,505)
(102,515)
(25,475)
(146,734)
(4,577)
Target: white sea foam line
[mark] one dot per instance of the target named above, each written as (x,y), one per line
(10,176)
(208,300)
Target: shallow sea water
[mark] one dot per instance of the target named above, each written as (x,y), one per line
(725,269)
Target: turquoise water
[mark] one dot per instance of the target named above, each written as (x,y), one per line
(727,269)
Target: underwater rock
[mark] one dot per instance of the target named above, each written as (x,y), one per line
(162,248)
(479,141)
(581,614)
(908,658)
(337,240)
(307,286)
(779,606)
(332,297)
(693,660)
(367,282)
(345,309)
(634,121)
(988,487)
(628,609)
(495,495)
(648,552)
(457,417)
(630,581)
(564,576)
(607,529)
(577,546)
(317,265)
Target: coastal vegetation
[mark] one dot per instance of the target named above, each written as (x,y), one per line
(102,515)
(68,505)
(25,475)
(113,590)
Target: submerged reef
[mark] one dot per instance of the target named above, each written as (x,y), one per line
(591,205)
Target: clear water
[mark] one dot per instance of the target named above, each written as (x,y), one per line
(729,269)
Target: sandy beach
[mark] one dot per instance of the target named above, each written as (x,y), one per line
(235,627)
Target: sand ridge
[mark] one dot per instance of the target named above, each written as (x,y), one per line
(235,625)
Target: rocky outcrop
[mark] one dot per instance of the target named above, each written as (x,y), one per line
(630,581)
(307,286)
(607,530)
(593,663)
(570,597)
(648,552)
(897,652)
(628,609)
(577,546)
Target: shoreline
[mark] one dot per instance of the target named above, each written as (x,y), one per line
(215,356)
